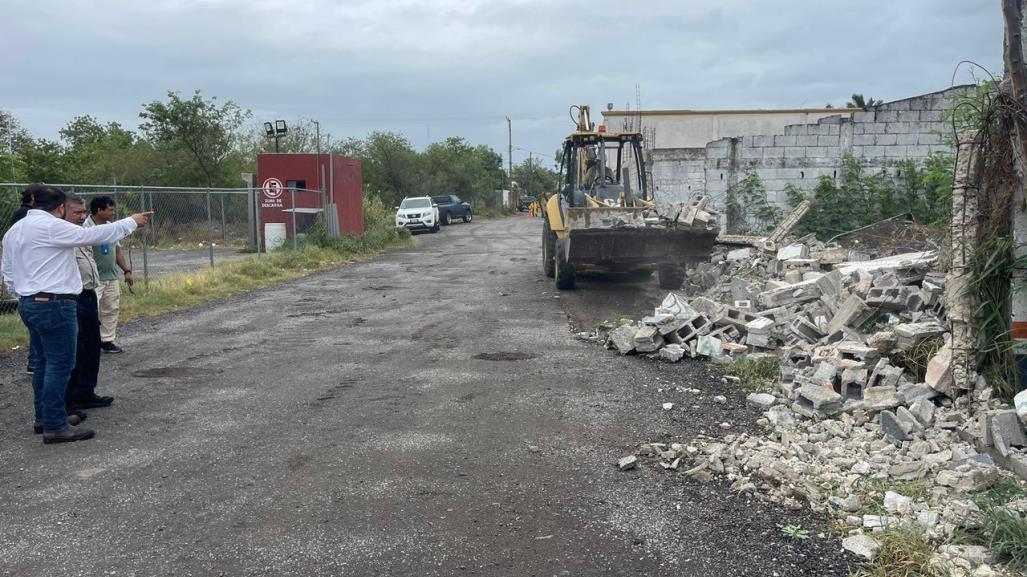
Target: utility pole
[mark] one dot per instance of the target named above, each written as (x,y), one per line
(527,176)
(509,154)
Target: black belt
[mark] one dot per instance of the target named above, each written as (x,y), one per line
(51,297)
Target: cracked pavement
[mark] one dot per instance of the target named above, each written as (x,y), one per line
(428,412)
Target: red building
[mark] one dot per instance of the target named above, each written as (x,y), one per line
(295,189)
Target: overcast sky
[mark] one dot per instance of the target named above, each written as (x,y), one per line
(436,68)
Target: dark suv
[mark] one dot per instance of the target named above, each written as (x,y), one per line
(450,207)
(525,202)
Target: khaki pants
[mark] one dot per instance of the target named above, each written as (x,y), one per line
(108,297)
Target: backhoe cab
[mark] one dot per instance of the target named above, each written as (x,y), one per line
(604,217)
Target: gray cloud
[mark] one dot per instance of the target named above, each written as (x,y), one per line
(432,69)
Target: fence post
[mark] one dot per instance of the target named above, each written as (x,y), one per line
(210,229)
(221,197)
(146,237)
(293,217)
(255,202)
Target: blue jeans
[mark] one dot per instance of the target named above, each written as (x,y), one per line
(53,332)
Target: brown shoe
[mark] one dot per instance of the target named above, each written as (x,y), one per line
(73,419)
(69,435)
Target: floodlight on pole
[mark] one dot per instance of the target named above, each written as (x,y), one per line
(276,131)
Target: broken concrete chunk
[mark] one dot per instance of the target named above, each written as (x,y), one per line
(761,400)
(819,398)
(1005,423)
(739,254)
(628,462)
(792,251)
(648,339)
(674,305)
(894,429)
(939,371)
(708,346)
(672,353)
(881,398)
(1020,404)
(862,546)
(909,334)
(623,338)
(923,410)
(852,313)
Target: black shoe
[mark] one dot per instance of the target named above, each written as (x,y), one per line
(91,402)
(71,434)
(110,347)
(28,369)
(73,419)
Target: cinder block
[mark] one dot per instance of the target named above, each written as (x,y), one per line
(899,152)
(909,116)
(887,116)
(864,139)
(863,116)
(784,140)
(875,128)
(795,151)
(898,128)
(907,139)
(826,140)
(887,139)
(751,153)
(773,152)
(930,116)
(806,140)
(796,129)
(818,129)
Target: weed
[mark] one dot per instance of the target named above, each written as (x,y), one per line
(903,553)
(1005,534)
(795,532)
(758,375)
(1001,530)
(914,359)
(1003,491)
(871,492)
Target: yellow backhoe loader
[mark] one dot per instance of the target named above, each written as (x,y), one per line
(604,216)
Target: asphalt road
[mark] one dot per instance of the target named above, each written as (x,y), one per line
(163,261)
(426,413)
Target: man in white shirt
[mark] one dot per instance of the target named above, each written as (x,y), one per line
(38,265)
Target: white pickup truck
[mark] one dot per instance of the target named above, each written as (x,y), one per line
(418,213)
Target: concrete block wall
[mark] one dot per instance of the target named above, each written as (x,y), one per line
(908,129)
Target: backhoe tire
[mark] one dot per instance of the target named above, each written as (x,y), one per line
(565,272)
(672,276)
(548,247)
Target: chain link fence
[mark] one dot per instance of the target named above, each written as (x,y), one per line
(191,227)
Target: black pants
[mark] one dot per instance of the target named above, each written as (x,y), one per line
(82,383)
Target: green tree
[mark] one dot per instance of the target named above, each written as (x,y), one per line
(13,140)
(104,153)
(748,210)
(858,101)
(202,130)
(43,161)
(389,161)
(534,178)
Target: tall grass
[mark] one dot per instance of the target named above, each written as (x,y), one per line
(178,291)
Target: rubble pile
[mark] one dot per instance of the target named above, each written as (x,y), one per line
(851,424)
